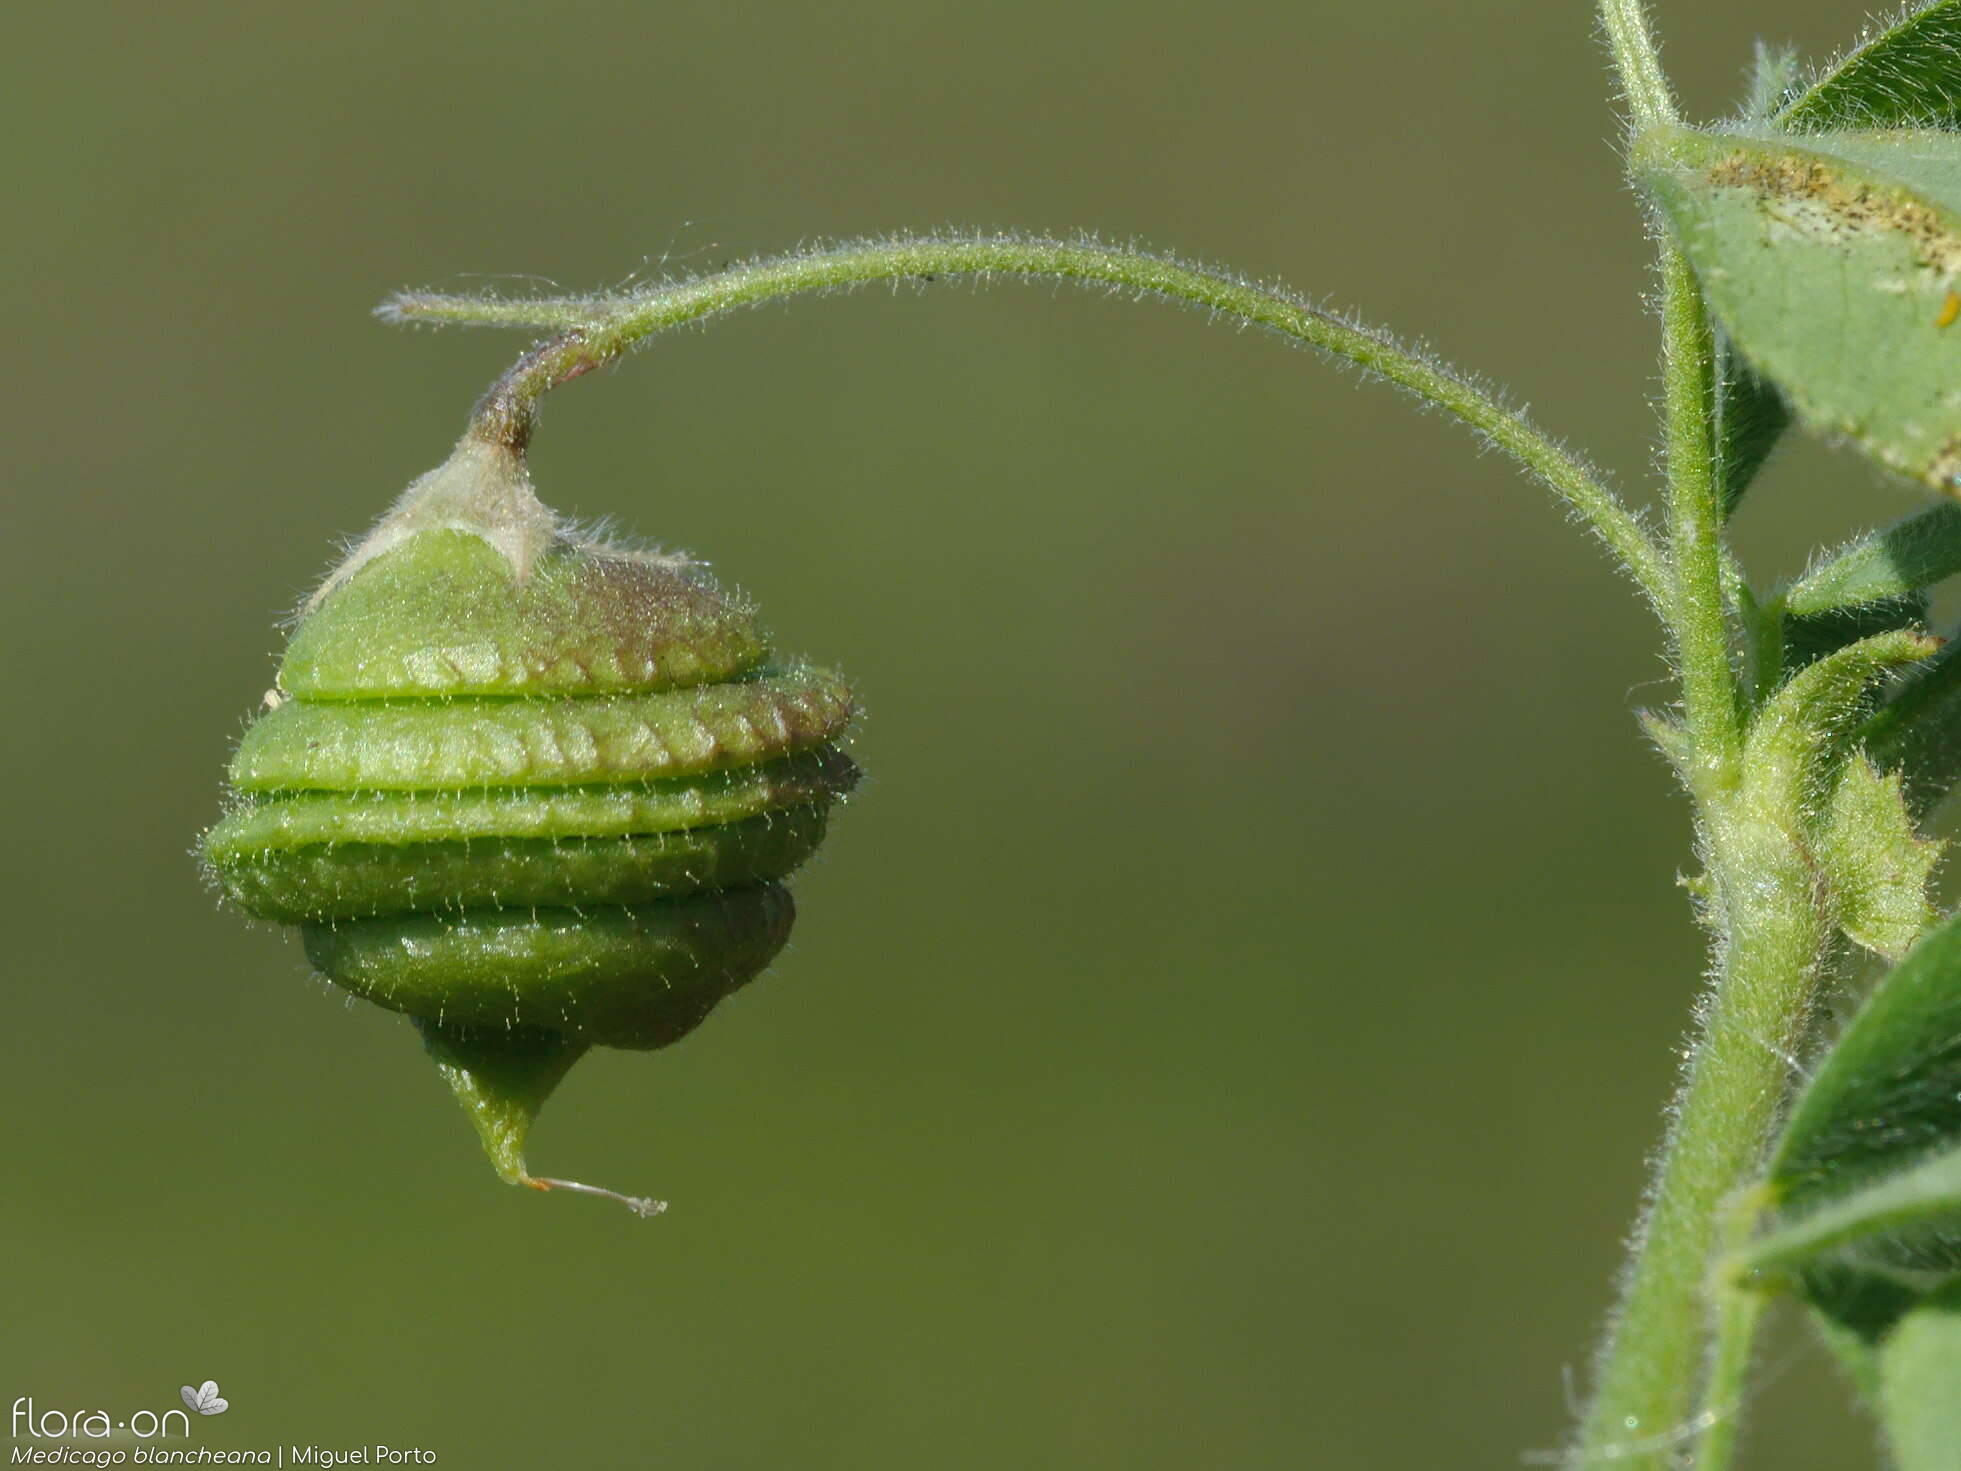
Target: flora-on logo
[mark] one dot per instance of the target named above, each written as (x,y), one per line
(92,1424)
(204,1399)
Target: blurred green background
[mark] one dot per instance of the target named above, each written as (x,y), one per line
(1227,1027)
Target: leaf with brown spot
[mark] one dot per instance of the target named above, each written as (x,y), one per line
(1829,260)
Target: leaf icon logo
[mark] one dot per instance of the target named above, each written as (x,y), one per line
(204,1399)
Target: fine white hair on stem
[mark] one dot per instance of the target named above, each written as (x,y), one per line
(592,330)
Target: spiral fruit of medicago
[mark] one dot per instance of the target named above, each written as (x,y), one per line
(535,792)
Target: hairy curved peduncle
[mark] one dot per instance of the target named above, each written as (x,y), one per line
(591,331)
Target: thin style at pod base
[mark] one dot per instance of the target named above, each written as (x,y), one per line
(539,793)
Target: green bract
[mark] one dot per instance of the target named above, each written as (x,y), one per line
(535,792)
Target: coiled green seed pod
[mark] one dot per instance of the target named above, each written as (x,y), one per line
(538,793)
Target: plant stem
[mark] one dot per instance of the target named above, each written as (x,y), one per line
(1765,915)
(1700,624)
(1738,1311)
(593,331)
(1637,63)
(1738,1076)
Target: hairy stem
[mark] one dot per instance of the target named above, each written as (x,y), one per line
(1673,1364)
(593,331)
(1738,1076)
(1637,63)
(1739,1310)
(1700,624)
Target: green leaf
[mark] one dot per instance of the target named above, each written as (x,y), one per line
(1917,731)
(1920,1385)
(1865,1184)
(1917,1210)
(1902,74)
(1808,637)
(1830,261)
(1889,1093)
(1855,1310)
(1915,553)
(1877,866)
(1751,416)
(1856,1353)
